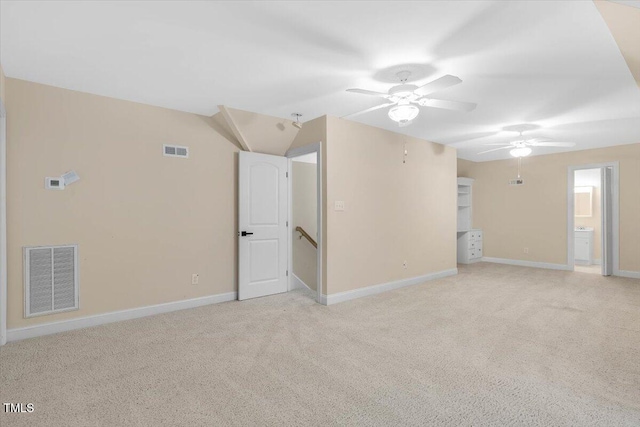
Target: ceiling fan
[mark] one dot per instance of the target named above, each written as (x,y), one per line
(522,147)
(404,98)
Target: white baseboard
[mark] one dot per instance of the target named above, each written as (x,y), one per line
(114,316)
(620,273)
(384,287)
(297,283)
(629,274)
(523,263)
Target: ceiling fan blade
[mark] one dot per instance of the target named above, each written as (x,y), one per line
(367,92)
(504,144)
(552,144)
(448,105)
(438,84)
(495,149)
(388,104)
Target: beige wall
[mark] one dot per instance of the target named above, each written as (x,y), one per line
(394,211)
(624,23)
(144,223)
(465,168)
(264,134)
(304,205)
(534,215)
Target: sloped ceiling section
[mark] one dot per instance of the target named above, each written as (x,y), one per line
(623,19)
(263,134)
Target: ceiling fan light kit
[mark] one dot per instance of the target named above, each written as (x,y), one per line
(403,113)
(520,152)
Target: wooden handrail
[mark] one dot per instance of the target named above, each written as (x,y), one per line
(307,236)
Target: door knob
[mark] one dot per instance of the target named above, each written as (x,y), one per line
(244,233)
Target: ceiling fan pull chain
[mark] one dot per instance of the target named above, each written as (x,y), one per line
(519,165)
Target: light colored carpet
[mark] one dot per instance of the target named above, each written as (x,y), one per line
(593,269)
(495,345)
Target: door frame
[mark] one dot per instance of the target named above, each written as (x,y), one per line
(3,224)
(615,198)
(316,147)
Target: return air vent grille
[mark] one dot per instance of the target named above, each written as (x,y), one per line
(51,279)
(175,151)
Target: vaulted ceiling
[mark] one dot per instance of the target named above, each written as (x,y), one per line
(555,64)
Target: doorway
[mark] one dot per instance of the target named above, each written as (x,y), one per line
(266,226)
(305,195)
(592,226)
(303,177)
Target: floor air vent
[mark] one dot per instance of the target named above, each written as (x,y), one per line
(50,279)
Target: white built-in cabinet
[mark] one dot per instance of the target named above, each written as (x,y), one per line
(583,252)
(469,239)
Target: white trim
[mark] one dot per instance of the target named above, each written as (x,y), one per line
(114,316)
(629,274)
(235,130)
(290,226)
(297,283)
(384,287)
(615,186)
(523,263)
(316,147)
(3,224)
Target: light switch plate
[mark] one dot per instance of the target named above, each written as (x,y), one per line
(339,205)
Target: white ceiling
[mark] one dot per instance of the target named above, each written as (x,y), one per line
(554,64)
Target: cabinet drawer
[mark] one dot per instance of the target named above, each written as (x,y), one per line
(475,235)
(475,253)
(475,244)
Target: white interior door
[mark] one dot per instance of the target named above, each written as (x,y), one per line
(607,221)
(262,232)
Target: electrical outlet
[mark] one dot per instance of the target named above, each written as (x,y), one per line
(526,250)
(339,205)
(195,279)
(404,264)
